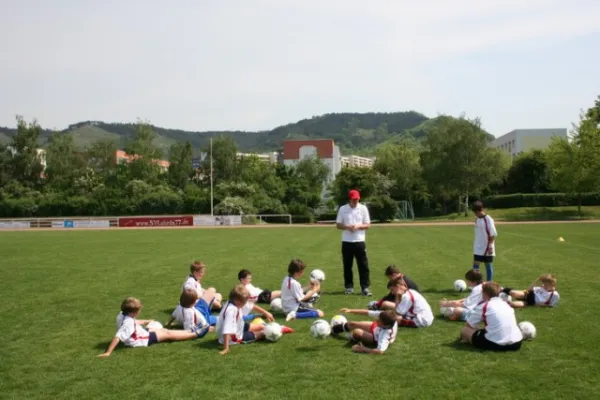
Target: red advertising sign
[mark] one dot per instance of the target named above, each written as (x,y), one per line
(153,222)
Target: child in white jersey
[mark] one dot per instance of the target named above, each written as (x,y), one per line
(208,299)
(412,308)
(500,331)
(131,332)
(185,313)
(461,308)
(295,298)
(377,335)
(231,328)
(257,295)
(484,244)
(539,296)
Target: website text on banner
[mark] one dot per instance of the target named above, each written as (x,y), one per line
(152,222)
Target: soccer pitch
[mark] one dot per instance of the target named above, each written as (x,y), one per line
(61,292)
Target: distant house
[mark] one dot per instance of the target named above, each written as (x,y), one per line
(121,157)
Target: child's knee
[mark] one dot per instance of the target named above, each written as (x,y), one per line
(357,334)
(387,305)
(320,313)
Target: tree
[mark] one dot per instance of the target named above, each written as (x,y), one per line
(575,163)
(529,173)
(457,160)
(181,169)
(362,179)
(25,162)
(65,163)
(401,163)
(102,156)
(224,164)
(144,154)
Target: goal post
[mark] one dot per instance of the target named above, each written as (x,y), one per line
(267,219)
(405,211)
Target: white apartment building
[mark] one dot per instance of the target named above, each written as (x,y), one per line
(357,161)
(519,141)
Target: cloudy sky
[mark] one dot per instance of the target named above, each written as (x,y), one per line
(256,64)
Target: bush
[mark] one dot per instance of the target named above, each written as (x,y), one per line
(540,200)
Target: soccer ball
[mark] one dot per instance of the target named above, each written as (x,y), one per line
(460,285)
(154,325)
(272,331)
(447,311)
(528,330)
(317,275)
(338,320)
(507,298)
(276,305)
(320,329)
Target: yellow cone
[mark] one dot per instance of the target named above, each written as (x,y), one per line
(560,239)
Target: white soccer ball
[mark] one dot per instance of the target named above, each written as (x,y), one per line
(448,312)
(460,285)
(528,330)
(154,325)
(272,332)
(506,297)
(317,275)
(443,310)
(276,305)
(373,305)
(338,320)
(320,329)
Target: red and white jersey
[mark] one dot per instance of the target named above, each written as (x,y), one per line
(542,296)
(130,332)
(474,298)
(188,317)
(254,293)
(383,336)
(231,322)
(485,230)
(499,321)
(291,294)
(413,306)
(192,283)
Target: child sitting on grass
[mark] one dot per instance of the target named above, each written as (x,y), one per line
(131,332)
(373,337)
(544,295)
(185,313)
(294,300)
(461,308)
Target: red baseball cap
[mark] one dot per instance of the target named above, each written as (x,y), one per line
(354,195)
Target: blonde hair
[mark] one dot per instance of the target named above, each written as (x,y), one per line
(131,305)
(548,278)
(239,292)
(492,289)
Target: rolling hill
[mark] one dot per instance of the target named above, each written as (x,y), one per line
(357,133)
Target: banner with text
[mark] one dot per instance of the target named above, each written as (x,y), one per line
(217,220)
(153,222)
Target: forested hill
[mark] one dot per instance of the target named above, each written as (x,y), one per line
(353,132)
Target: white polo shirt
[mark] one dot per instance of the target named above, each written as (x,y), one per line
(485,229)
(352,216)
(231,322)
(291,294)
(542,296)
(474,298)
(499,320)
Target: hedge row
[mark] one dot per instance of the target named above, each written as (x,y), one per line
(540,200)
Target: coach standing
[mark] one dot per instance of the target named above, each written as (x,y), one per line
(353,219)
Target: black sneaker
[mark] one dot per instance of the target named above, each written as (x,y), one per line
(367,292)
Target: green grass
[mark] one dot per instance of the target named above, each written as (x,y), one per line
(61,292)
(527,214)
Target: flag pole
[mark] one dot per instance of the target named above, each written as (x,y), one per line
(211,179)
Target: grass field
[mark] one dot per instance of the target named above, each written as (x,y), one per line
(61,292)
(528,214)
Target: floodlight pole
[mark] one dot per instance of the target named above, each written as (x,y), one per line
(211,180)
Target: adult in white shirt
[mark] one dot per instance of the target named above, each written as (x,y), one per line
(500,330)
(354,219)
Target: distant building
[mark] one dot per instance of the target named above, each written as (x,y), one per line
(266,157)
(121,157)
(326,150)
(519,141)
(41,155)
(357,161)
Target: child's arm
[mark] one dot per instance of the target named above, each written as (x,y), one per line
(315,287)
(354,311)
(264,312)
(143,321)
(452,303)
(530,288)
(170,321)
(226,338)
(113,344)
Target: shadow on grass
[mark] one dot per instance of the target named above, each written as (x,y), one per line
(335,293)
(547,214)
(457,345)
(103,346)
(209,344)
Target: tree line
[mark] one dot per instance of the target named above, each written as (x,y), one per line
(440,174)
